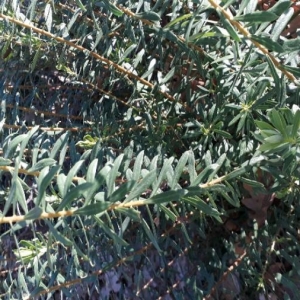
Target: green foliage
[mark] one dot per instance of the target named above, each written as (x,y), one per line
(149,150)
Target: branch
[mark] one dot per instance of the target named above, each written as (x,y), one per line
(91,53)
(247,34)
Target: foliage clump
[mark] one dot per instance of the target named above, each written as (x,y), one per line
(149,149)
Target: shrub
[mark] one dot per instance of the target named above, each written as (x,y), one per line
(149,149)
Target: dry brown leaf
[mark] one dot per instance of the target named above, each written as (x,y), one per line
(259,201)
(291,30)
(258,206)
(231,286)
(265,4)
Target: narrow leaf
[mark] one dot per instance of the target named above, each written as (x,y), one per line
(219,163)
(166,197)
(205,208)
(231,30)
(63,139)
(34,213)
(60,180)
(268,43)
(74,194)
(280,7)
(133,214)
(117,12)
(80,4)
(148,15)
(233,202)
(296,124)
(274,139)
(13,145)
(98,181)
(20,194)
(178,20)
(127,52)
(91,172)
(257,17)
(281,23)
(117,240)
(4,161)
(138,166)
(166,167)
(235,173)
(71,175)
(141,186)
(293,70)
(274,73)
(48,16)
(253,183)
(93,209)
(205,173)
(278,121)
(42,164)
(113,174)
(275,147)
(291,45)
(168,76)
(44,182)
(179,169)
(74,17)
(192,166)
(150,235)
(120,193)
(223,133)
(194,191)
(58,236)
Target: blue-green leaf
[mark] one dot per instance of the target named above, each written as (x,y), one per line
(114,174)
(268,43)
(179,169)
(44,180)
(150,235)
(4,161)
(231,30)
(120,193)
(148,15)
(205,173)
(42,164)
(117,240)
(205,208)
(71,175)
(58,236)
(74,194)
(141,186)
(166,197)
(63,139)
(34,213)
(93,209)
(257,17)
(293,70)
(113,8)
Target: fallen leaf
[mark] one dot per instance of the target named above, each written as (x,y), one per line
(258,206)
